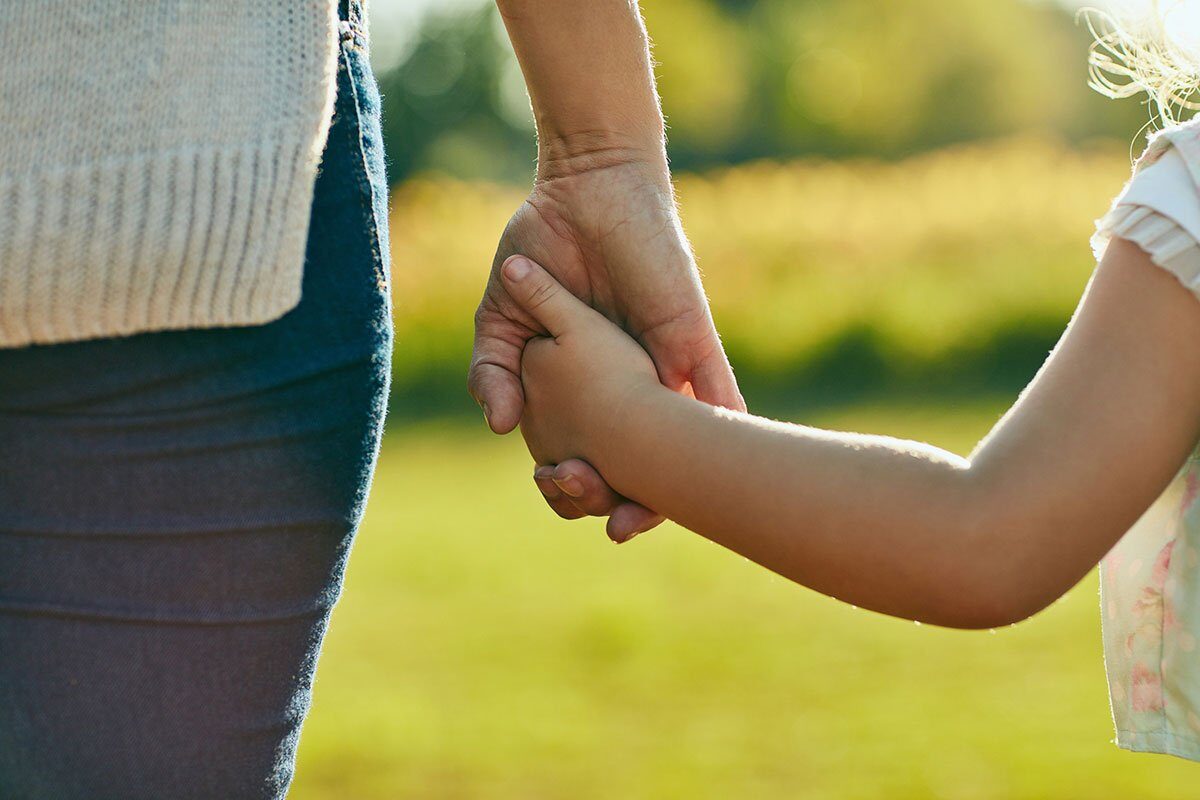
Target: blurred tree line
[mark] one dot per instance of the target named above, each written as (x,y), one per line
(750,79)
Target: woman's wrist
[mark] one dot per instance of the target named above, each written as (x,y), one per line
(588,69)
(565,155)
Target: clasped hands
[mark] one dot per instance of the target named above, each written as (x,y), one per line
(593,302)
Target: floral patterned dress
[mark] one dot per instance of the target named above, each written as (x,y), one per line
(1150,581)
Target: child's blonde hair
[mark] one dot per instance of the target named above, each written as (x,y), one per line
(1140,47)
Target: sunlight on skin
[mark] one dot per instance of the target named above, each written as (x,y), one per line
(831,510)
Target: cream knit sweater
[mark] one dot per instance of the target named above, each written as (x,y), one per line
(157,161)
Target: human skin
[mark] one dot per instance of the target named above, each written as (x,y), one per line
(602,217)
(896,526)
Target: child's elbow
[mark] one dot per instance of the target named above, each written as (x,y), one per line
(1005,589)
(994,608)
(1000,566)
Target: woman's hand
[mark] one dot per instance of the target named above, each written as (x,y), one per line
(602,221)
(580,380)
(601,218)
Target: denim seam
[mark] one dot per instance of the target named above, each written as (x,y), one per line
(366,188)
(352,29)
(352,34)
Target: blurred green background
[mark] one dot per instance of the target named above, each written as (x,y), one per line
(891,203)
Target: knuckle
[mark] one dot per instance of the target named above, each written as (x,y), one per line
(475,377)
(597,506)
(542,294)
(487,315)
(566,511)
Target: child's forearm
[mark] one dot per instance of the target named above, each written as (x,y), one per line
(916,532)
(896,526)
(878,522)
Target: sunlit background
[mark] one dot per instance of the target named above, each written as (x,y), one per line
(891,203)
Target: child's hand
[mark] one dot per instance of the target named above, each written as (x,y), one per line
(578,378)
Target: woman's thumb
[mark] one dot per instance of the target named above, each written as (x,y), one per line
(540,295)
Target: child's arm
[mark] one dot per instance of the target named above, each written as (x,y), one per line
(895,526)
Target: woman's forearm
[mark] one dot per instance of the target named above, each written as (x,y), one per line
(587,66)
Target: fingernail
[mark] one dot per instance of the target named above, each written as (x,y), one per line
(487,413)
(570,486)
(542,473)
(517,268)
(623,539)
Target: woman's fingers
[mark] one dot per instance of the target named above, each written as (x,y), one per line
(590,494)
(713,382)
(628,520)
(559,502)
(574,489)
(494,379)
(582,483)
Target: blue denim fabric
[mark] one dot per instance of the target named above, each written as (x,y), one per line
(176,510)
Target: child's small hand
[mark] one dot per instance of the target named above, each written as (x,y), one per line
(578,378)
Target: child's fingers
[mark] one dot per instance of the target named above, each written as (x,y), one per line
(560,503)
(541,296)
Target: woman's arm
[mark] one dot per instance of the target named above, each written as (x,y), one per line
(896,526)
(587,66)
(601,215)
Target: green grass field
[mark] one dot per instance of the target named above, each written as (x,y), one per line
(484,649)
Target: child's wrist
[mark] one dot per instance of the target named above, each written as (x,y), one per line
(630,416)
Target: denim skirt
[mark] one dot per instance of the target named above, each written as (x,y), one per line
(176,511)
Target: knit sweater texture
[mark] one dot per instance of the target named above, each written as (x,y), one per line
(157,162)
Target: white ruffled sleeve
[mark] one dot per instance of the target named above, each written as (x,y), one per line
(1159,211)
